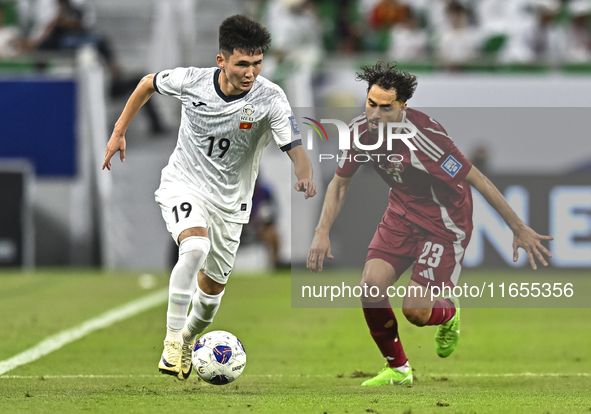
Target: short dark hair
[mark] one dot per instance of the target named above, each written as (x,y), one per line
(240,32)
(387,77)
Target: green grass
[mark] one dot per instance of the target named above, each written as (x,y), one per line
(299,360)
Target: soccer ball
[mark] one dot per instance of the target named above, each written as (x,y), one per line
(219,357)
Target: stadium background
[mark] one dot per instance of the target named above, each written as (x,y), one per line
(521,64)
(76,215)
(465,55)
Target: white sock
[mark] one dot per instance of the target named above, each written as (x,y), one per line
(183,281)
(204,309)
(404,368)
(174,336)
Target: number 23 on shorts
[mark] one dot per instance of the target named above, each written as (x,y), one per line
(436,251)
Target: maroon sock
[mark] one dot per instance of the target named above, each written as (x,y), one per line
(383,327)
(443,311)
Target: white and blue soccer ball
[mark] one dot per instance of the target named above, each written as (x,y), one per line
(219,357)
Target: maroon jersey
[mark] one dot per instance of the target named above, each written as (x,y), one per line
(426,184)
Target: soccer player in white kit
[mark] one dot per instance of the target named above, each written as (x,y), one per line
(229,115)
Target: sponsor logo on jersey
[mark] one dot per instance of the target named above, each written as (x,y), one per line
(165,75)
(247,111)
(199,104)
(294,125)
(451,166)
(226,274)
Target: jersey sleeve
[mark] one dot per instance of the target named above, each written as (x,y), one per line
(283,125)
(439,155)
(170,82)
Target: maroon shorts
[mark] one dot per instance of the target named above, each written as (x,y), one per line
(436,259)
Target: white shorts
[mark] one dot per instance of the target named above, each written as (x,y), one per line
(183,209)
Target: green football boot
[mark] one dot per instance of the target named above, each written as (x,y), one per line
(448,333)
(390,376)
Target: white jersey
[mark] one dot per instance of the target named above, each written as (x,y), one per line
(221,138)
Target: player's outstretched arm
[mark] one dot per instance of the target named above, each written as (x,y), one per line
(303,170)
(333,202)
(523,236)
(138,98)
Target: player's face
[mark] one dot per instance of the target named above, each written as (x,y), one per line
(241,69)
(382,107)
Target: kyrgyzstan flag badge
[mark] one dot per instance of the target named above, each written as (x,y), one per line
(245,125)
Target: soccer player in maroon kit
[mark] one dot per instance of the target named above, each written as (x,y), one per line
(428,221)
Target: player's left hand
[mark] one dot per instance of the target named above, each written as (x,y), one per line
(530,241)
(307,187)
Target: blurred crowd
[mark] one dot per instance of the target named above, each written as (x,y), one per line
(61,26)
(452,32)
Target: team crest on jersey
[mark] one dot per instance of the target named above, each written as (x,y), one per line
(396,162)
(247,113)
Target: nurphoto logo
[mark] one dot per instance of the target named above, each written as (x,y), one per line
(394,130)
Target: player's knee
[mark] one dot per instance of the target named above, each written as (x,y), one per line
(371,289)
(417,316)
(193,251)
(208,304)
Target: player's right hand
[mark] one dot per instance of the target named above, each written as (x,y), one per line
(116,143)
(318,251)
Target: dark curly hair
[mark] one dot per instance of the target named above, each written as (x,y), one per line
(387,77)
(241,33)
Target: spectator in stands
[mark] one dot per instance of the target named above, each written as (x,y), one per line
(387,13)
(460,43)
(479,159)
(296,49)
(67,31)
(408,41)
(295,30)
(10,41)
(549,38)
(578,36)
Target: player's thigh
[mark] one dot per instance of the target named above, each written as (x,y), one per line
(377,276)
(391,251)
(193,232)
(208,285)
(438,264)
(185,214)
(225,239)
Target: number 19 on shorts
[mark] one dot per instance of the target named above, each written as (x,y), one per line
(185,208)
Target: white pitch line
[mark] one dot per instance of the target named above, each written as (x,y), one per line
(517,374)
(55,342)
(77,376)
(477,375)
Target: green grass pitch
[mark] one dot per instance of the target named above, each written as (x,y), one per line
(299,360)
